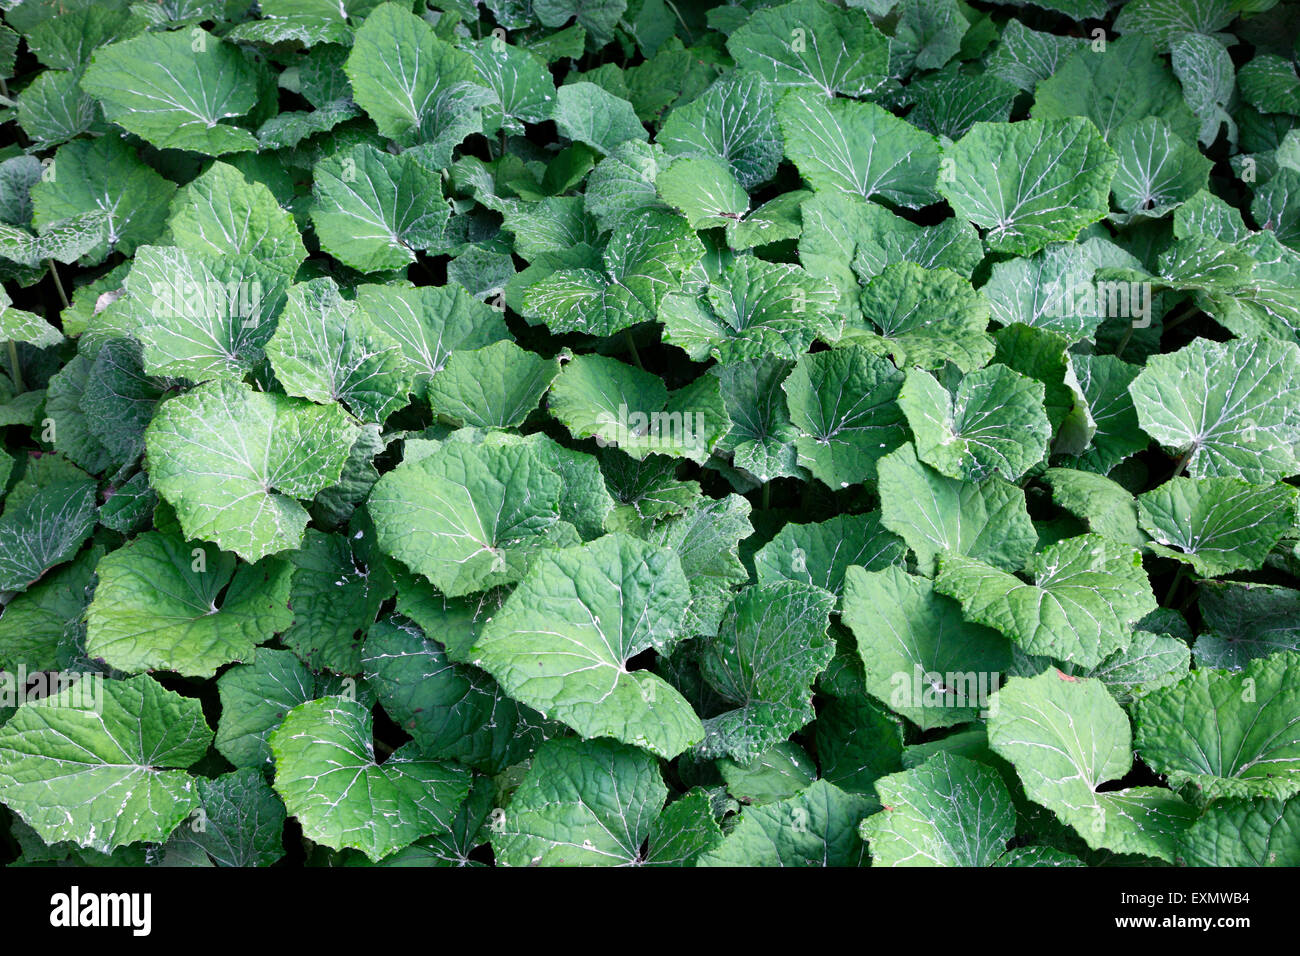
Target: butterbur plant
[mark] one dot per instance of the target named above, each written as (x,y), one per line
(627,432)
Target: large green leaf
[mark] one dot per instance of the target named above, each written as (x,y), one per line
(1205,71)
(1164,21)
(1030,183)
(162,605)
(175,88)
(1244,621)
(598,803)
(1217,525)
(624,406)
(933,513)
(374,210)
(339,584)
(923,317)
(324,350)
(43,530)
(845,404)
(497,386)
(1086,594)
(706,538)
(771,645)
(520,79)
(223,213)
(469,517)
(734,120)
(327,775)
(949,811)
(993,422)
(849,241)
(859,149)
(821,554)
(561,642)
(1226,733)
(242,821)
(39,627)
(1067,738)
(762,436)
(643,262)
(201,315)
(1157,170)
(428,323)
(102,762)
(452,711)
(1241,833)
(399,68)
(816,827)
(104,174)
(254,699)
(589,114)
(1024,56)
(809,43)
(232,461)
(920,656)
(1123,82)
(1054,288)
(1245,426)
(755,308)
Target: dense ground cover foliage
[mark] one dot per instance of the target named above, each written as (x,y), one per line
(575,432)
